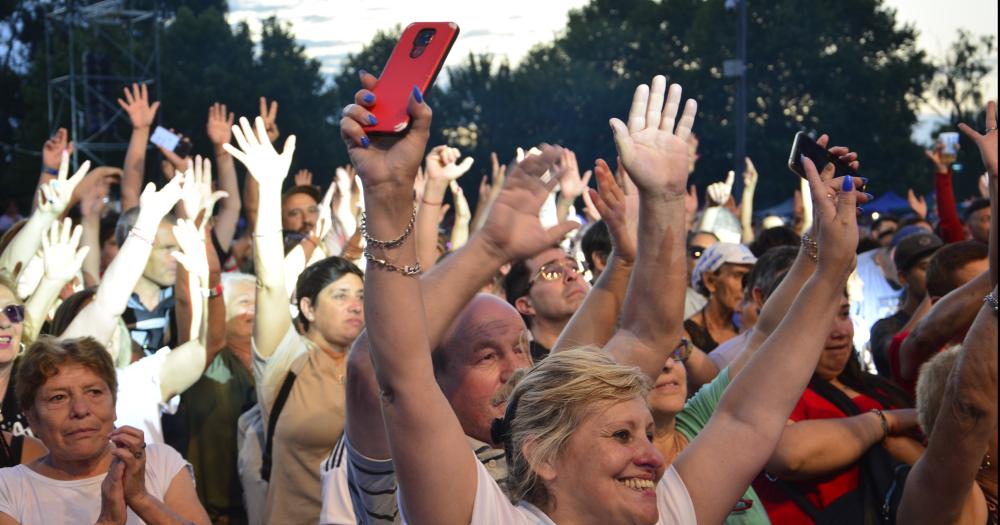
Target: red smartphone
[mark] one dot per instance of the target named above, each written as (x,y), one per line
(415,61)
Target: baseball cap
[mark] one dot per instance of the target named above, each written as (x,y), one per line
(905,232)
(912,247)
(309,190)
(718,254)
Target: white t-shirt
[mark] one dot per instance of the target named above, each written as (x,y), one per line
(492,507)
(31,498)
(337,506)
(872,297)
(140,401)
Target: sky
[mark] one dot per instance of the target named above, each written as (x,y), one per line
(512,27)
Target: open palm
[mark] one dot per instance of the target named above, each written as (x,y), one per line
(655,154)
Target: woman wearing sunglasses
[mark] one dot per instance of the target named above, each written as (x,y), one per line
(16,447)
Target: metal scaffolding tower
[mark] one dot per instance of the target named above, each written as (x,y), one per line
(93,50)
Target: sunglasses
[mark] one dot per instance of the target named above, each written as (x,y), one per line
(696,251)
(682,352)
(14,313)
(556,270)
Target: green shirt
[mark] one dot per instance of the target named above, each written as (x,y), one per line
(694,417)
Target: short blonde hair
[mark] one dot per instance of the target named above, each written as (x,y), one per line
(931,385)
(552,401)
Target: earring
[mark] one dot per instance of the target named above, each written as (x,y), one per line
(20,352)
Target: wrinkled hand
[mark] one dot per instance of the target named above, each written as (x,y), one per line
(571,185)
(750,175)
(54,147)
(917,203)
(219,127)
(655,151)
(986,142)
(719,192)
(130,449)
(443,166)
(192,254)
(113,508)
(56,194)
(154,205)
(270,117)
(136,104)
(61,254)
(385,161)
(268,167)
(513,228)
(618,205)
(303,177)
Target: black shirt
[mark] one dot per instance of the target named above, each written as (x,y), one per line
(881,337)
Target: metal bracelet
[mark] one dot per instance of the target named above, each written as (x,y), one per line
(883,421)
(411,270)
(812,249)
(991,300)
(394,243)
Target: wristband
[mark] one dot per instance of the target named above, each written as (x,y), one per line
(50,171)
(138,234)
(212,292)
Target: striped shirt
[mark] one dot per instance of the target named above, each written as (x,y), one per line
(372,482)
(148,327)
(337,507)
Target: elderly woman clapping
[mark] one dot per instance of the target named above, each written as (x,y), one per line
(94,472)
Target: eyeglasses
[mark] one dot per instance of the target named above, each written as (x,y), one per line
(742,505)
(555,270)
(696,251)
(14,313)
(682,352)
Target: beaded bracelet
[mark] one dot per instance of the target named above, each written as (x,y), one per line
(812,249)
(991,300)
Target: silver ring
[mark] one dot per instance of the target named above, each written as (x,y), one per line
(546,178)
(988,130)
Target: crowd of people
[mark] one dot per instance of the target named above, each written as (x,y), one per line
(282,353)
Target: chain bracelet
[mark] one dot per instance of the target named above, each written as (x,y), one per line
(411,270)
(991,300)
(394,243)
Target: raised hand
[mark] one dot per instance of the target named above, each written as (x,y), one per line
(986,141)
(219,127)
(324,223)
(385,161)
(917,203)
(835,207)
(346,215)
(442,164)
(154,205)
(55,195)
(620,210)
(719,192)
(303,177)
(60,253)
(53,149)
(653,146)
(462,210)
(192,254)
(571,184)
(270,116)
(750,175)
(92,196)
(512,227)
(691,201)
(268,167)
(136,104)
(935,155)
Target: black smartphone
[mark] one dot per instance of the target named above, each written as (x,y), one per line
(804,145)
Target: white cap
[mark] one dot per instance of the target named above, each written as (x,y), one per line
(718,254)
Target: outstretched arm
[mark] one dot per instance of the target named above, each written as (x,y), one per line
(269,168)
(751,416)
(141,113)
(219,130)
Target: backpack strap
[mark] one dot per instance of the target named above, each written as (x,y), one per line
(272,424)
(16,448)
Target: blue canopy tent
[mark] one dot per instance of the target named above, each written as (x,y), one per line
(887,202)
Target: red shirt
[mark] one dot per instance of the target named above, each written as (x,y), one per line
(820,491)
(909,385)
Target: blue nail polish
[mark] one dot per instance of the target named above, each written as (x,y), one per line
(362,73)
(864,181)
(417,96)
(848,184)
(372,120)
(369,98)
(870,196)
(364,142)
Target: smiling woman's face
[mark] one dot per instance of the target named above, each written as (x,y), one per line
(10,332)
(73,413)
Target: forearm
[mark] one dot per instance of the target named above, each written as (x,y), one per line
(25,244)
(229,212)
(817,447)
(994,228)
(91,238)
(563,208)
(38,306)
(594,322)
(214,322)
(460,232)
(154,512)
(950,315)
(183,307)
(251,200)
(135,165)
(949,222)
(966,423)
(746,214)
(428,212)
(654,303)
(273,315)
